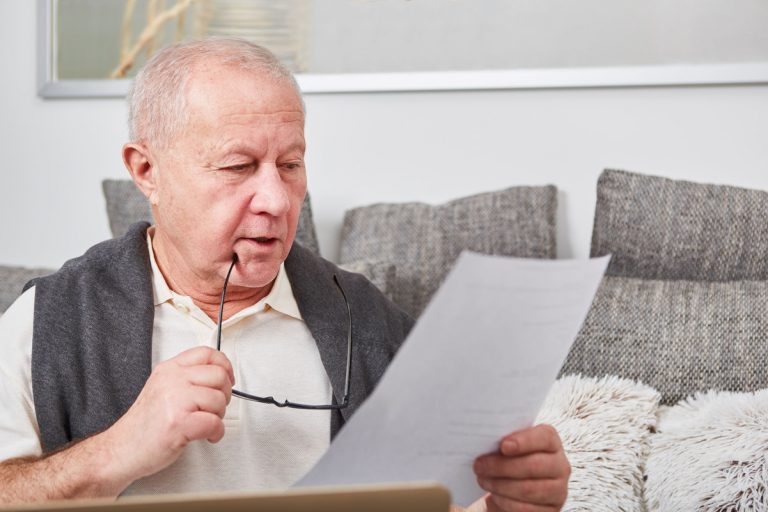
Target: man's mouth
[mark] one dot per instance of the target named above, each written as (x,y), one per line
(263,241)
(257,245)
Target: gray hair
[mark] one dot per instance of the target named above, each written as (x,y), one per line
(157,99)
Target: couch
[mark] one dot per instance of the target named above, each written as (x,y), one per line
(661,402)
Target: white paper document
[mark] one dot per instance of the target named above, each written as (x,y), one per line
(477,366)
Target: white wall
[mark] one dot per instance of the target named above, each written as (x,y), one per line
(366,148)
(356,36)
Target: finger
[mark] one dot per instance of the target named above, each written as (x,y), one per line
(501,504)
(541,438)
(208,400)
(534,466)
(480,505)
(210,376)
(217,433)
(538,492)
(203,425)
(205,355)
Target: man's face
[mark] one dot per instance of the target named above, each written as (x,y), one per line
(233,179)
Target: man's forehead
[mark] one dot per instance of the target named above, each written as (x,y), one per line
(222,91)
(233,146)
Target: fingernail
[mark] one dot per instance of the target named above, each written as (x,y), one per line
(509,447)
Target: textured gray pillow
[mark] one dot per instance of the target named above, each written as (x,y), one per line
(126,205)
(659,228)
(305,232)
(12,281)
(381,274)
(678,336)
(423,241)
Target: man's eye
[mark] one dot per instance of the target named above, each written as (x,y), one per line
(238,168)
(292,165)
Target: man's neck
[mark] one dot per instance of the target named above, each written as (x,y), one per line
(205,291)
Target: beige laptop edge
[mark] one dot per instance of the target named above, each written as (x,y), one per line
(417,496)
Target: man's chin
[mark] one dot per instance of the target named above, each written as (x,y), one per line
(258,261)
(254,274)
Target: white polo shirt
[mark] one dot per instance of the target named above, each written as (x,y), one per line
(273,354)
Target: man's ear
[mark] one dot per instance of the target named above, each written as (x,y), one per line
(142,166)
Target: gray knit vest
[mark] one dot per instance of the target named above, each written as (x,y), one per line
(92,335)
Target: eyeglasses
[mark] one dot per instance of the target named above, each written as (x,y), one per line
(270,400)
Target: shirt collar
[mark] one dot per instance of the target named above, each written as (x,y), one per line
(160,290)
(280,297)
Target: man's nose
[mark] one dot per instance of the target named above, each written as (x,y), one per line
(269,193)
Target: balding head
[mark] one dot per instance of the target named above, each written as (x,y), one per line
(157,101)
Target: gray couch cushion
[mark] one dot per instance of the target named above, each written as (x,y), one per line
(659,228)
(12,281)
(126,205)
(423,241)
(305,232)
(381,274)
(677,336)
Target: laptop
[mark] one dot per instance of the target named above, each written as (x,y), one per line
(422,497)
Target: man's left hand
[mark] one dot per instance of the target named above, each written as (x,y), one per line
(529,473)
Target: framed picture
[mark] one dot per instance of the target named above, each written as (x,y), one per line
(91,48)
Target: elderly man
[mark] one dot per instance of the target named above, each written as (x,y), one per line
(111,381)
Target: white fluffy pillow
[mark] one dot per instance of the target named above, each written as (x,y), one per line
(711,454)
(604,425)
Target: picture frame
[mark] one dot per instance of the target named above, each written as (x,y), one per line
(50,86)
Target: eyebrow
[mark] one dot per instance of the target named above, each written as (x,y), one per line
(243,149)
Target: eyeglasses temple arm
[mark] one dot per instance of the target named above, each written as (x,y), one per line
(221,307)
(349,341)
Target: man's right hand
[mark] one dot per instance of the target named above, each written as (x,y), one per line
(183,400)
